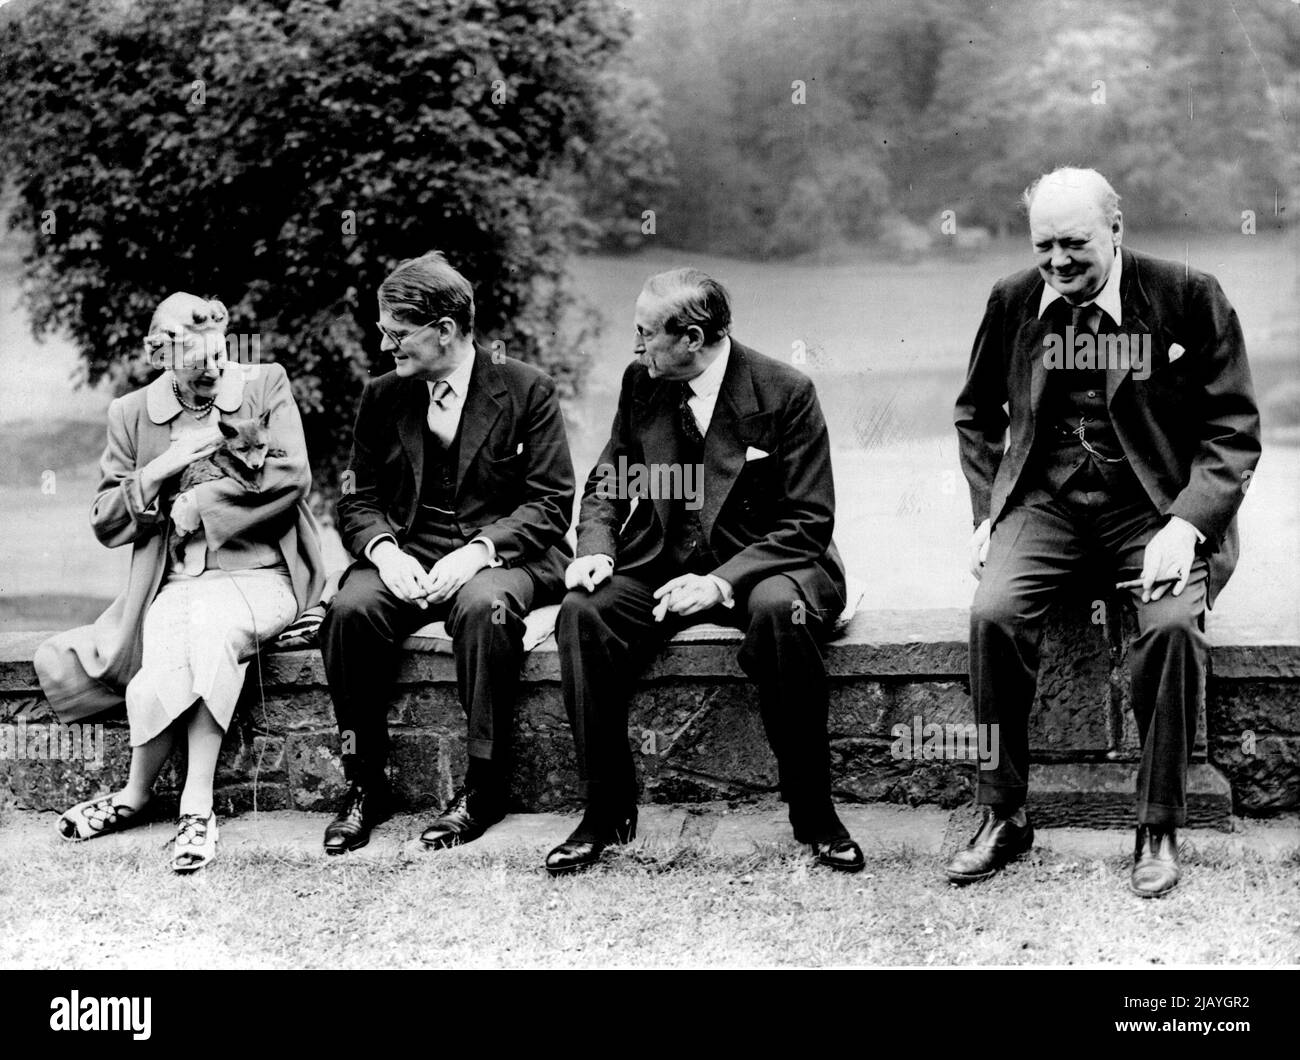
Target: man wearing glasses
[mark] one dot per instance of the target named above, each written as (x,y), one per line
(458,494)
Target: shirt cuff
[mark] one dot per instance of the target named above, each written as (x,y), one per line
(370,545)
(725,588)
(491,550)
(1200,537)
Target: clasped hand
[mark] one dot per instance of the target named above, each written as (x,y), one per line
(406,578)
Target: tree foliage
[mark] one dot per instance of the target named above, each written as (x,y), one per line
(912,109)
(284,156)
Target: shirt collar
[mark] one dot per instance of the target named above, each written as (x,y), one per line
(160,397)
(458,379)
(1107,298)
(709,381)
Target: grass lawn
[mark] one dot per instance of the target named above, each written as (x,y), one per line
(100,905)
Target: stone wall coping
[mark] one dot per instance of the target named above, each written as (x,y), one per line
(881,643)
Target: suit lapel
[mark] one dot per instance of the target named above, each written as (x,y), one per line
(1029,347)
(1133,302)
(727,440)
(659,446)
(482,407)
(411,417)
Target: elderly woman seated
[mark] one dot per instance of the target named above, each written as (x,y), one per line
(204,476)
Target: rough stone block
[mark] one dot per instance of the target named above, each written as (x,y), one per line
(867,771)
(1073,709)
(545,774)
(435,707)
(424,767)
(722,742)
(1264,771)
(1101,795)
(871,708)
(251,797)
(57,783)
(315,768)
(1259,706)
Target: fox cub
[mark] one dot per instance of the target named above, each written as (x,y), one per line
(243,453)
(241,456)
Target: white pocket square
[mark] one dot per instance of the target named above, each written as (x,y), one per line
(520,449)
(1175,351)
(755,454)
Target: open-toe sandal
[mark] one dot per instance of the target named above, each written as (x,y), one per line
(96,817)
(196,842)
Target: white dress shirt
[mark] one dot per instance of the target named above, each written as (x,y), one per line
(444,421)
(1107,299)
(706,385)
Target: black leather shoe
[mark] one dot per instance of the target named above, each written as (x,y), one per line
(583,849)
(364,806)
(469,814)
(843,855)
(998,841)
(1155,862)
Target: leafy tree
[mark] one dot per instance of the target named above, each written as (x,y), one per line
(284,156)
(628,168)
(912,109)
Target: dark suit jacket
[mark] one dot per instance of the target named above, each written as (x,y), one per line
(761,517)
(1190,430)
(521,499)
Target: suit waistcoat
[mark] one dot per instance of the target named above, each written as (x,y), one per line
(436,530)
(685,545)
(1074,397)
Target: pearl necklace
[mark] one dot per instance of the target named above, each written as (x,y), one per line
(200,411)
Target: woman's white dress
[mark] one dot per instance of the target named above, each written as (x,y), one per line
(200,631)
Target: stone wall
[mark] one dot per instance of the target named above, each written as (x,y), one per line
(695,726)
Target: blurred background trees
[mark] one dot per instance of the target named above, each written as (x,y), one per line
(1189,107)
(286,155)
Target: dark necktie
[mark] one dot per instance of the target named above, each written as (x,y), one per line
(1080,317)
(690,427)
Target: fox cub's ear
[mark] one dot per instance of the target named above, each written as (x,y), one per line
(227,430)
(265,418)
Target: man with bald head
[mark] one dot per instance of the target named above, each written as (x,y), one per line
(712,501)
(1133,435)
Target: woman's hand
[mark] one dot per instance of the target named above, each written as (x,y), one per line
(184,451)
(185,514)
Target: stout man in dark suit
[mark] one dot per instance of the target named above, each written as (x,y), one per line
(727,454)
(460,494)
(1133,436)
